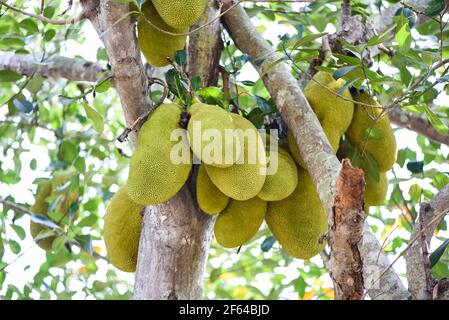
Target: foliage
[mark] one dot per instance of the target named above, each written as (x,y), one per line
(47,125)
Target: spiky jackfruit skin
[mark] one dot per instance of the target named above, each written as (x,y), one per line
(383,148)
(180,13)
(153,177)
(282,184)
(210,199)
(334,113)
(213,119)
(122,226)
(41,207)
(299,221)
(376,191)
(239,222)
(243,180)
(155,45)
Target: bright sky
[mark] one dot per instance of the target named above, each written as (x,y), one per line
(24,190)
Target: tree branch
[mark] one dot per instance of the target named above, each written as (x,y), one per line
(295,110)
(55,67)
(417,124)
(418,268)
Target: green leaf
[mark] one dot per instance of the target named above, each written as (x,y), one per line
(85,242)
(374,41)
(434,7)
(404,38)
(341,72)
(435,121)
(88,221)
(33,164)
(181,57)
(95,117)
(14,246)
(268,243)
(307,39)
(264,105)
(372,134)
(19,231)
(29,25)
(49,35)
(436,255)
(415,166)
(11,43)
(49,12)
(23,105)
(9,76)
(347,85)
(103,86)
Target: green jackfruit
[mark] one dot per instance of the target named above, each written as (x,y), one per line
(180,13)
(210,199)
(383,147)
(299,221)
(376,191)
(155,45)
(159,167)
(209,126)
(122,226)
(41,207)
(239,222)
(281,184)
(334,113)
(246,178)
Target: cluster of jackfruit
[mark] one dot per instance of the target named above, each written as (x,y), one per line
(362,126)
(163,25)
(52,201)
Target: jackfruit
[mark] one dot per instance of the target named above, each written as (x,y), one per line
(299,221)
(281,184)
(334,113)
(239,222)
(243,180)
(211,136)
(180,13)
(376,191)
(122,226)
(159,167)
(383,147)
(155,45)
(210,199)
(41,207)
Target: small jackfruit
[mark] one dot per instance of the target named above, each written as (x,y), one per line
(283,182)
(41,207)
(334,113)
(243,180)
(299,221)
(211,135)
(159,167)
(180,13)
(122,227)
(239,222)
(155,45)
(383,147)
(376,191)
(210,199)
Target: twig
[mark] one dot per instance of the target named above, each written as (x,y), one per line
(73,20)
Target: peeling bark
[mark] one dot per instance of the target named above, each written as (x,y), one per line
(347,232)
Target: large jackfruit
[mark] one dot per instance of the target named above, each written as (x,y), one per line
(376,191)
(334,113)
(382,148)
(180,13)
(159,167)
(122,226)
(41,207)
(299,221)
(211,138)
(239,222)
(210,199)
(155,45)
(283,182)
(243,180)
